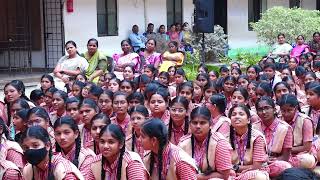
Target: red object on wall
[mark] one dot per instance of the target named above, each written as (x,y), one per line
(69,6)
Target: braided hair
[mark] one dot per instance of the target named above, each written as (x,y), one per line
(185,103)
(232,131)
(73,125)
(40,133)
(143,111)
(203,112)
(117,133)
(156,128)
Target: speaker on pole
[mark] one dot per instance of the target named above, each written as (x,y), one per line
(204,16)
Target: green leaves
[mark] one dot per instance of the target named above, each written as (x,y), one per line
(291,22)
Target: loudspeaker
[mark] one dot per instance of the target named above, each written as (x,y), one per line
(204,16)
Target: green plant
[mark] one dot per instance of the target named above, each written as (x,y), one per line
(191,64)
(291,22)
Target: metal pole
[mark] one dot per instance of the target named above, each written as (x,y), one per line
(203,56)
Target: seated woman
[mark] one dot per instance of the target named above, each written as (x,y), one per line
(98,63)
(173,57)
(300,48)
(126,58)
(69,65)
(150,55)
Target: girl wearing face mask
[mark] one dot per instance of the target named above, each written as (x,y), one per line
(278,136)
(302,132)
(10,150)
(248,146)
(88,109)
(219,123)
(210,150)
(97,123)
(120,107)
(42,164)
(138,115)
(172,162)
(68,142)
(179,119)
(59,105)
(115,162)
(39,116)
(158,104)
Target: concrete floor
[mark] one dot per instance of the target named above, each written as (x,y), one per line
(30,80)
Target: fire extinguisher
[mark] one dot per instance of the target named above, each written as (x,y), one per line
(69,6)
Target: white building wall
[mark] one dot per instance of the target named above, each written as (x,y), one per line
(309,4)
(188,9)
(239,36)
(130,12)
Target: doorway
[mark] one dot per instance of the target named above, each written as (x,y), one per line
(53,32)
(15,36)
(221,14)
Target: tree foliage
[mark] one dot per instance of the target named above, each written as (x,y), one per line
(291,22)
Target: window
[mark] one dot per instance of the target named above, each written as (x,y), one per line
(107,18)
(294,3)
(255,8)
(174,11)
(318,5)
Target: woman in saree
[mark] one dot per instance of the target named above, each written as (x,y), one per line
(300,48)
(172,57)
(98,62)
(150,55)
(69,65)
(127,57)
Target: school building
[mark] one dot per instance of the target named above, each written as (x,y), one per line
(33,32)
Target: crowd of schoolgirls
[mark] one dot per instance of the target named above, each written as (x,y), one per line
(256,122)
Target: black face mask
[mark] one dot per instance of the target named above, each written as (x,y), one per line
(35,156)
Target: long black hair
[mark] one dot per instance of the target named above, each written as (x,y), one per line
(19,86)
(156,128)
(203,112)
(117,133)
(142,110)
(5,129)
(232,131)
(42,134)
(185,103)
(73,125)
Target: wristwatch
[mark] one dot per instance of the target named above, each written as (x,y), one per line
(236,167)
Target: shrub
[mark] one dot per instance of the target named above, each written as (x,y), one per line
(291,22)
(215,43)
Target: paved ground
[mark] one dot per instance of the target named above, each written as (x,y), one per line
(31,80)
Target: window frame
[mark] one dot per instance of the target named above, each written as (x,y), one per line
(294,3)
(106,20)
(254,12)
(174,12)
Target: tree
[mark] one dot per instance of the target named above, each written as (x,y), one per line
(291,22)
